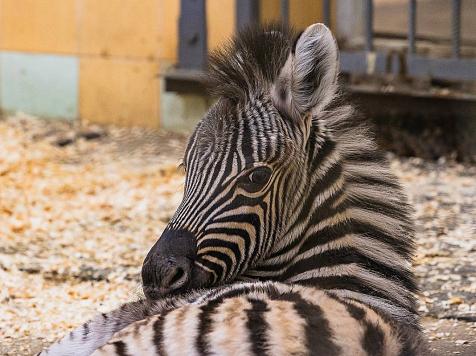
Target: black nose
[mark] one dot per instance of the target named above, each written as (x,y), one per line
(168,265)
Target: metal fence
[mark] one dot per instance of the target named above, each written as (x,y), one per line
(193,44)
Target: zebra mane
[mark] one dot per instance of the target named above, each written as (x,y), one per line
(249,62)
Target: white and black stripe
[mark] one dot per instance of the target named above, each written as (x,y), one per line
(259,318)
(327,225)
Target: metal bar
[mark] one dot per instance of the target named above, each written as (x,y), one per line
(416,66)
(327,13)
(441,68)
(247,12)
(456,26)
(363,62)
(285,11)
(369,24)
(192,34)
(412,26)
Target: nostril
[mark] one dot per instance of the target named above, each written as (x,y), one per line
(179,272)
(176,277)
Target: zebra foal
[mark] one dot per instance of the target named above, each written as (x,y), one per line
(293,237)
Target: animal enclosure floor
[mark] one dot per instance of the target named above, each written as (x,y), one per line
(81,206)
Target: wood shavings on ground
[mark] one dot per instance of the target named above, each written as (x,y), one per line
(80,206)
(76,223)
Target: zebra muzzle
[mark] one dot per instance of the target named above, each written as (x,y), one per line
(167,269)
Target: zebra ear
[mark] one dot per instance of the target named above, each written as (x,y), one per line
(308,80)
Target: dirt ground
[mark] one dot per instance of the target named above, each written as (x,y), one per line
(81,206)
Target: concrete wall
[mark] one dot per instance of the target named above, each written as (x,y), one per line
(101,60)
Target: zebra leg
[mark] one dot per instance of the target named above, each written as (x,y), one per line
(85,339)
(88,337)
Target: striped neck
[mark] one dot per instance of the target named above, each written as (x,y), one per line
(350,231)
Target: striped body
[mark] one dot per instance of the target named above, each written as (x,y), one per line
(284,184)
(267,318)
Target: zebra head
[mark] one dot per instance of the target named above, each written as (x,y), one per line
(248,158)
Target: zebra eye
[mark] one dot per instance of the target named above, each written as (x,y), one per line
(254,181)
(260,176)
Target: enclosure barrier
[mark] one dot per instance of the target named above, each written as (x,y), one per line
(193,44)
